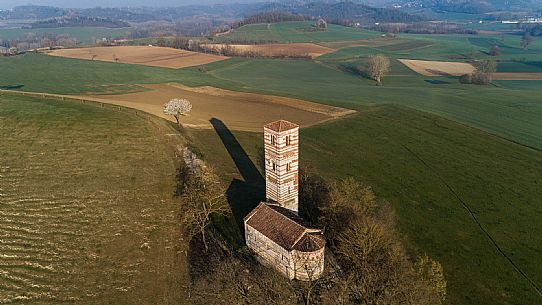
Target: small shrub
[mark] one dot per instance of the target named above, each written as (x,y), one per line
(495,51)
(480,78)
(466,79)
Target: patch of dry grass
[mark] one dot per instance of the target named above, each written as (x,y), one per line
(87,213)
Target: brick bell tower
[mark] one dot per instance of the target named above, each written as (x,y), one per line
(281,142)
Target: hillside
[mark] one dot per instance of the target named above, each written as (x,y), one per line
(343,11)
(79,223)
(471,6)
(79,21)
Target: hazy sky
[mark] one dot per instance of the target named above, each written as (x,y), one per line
(114,3)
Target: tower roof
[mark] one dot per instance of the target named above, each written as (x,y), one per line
(285,228)
(281,125)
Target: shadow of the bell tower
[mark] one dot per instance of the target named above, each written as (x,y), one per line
(243,195)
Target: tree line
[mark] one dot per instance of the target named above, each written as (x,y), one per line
(269,17)
(79,21)
(222,49)
(423,28)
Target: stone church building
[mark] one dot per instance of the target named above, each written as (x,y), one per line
(273,230)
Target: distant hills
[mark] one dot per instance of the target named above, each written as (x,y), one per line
(470,6)
(334,11)
(79,21)
(221,15)
(344,11)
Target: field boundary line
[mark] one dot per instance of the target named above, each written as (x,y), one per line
(475,219)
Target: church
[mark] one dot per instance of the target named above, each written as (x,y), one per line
(279,237)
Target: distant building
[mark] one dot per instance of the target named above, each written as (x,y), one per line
(273,230)
(321,24)
(524,20)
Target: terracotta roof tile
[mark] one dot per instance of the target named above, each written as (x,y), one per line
(284,227)
(281,125)
(310,242)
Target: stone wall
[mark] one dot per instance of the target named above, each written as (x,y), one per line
(292,264)
(308,265)
(268,252)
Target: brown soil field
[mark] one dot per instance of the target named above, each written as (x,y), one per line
(141,55)
(517,76)
(238,110)
(278,50)
(438,68)
(372,42)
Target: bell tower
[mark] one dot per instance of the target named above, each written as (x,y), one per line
(281,142)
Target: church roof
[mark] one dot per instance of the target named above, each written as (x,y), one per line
(285,228)
(281,125)
(310,242)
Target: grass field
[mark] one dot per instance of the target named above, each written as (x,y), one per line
(79,223)
(240,110)
(445,48)
(42,73)
(466,197)
(141,55)
(289,32)
(87,35)
(478,106)
(432,170)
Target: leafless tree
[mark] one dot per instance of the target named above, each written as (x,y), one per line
(526,41)
(495,51)
(203,197)
(377,67)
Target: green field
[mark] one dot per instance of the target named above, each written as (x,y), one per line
(462,164)
(427,167)
(86,35)
(75,211)
(288,32)
(448,48)
(481,107)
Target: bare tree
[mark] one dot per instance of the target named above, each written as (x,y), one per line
(486,66)
(177,107)
(526,41)
(203,196)
(495,51)
(484,72)
(377,66)
(360,230)
(312,269)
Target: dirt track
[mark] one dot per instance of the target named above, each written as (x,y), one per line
(517,76)
(141,55)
